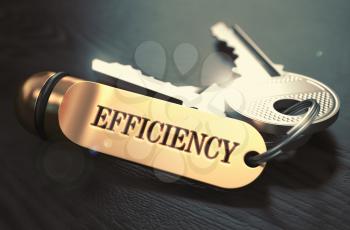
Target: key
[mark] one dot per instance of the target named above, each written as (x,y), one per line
(252,60)
(186,94)
(264,89)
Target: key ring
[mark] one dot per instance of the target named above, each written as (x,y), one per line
(313,109)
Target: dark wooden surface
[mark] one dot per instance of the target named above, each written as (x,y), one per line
(58,186)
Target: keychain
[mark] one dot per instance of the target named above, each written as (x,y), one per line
(175,137)
(211,135)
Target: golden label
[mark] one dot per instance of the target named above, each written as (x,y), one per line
(159,134)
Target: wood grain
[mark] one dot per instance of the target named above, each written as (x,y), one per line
(60,186)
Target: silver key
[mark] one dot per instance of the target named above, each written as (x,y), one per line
(186,94)
(259,98)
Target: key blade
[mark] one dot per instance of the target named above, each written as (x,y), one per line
(251,61)
(256,50)
(128,74)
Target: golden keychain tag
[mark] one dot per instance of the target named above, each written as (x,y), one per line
(155,133)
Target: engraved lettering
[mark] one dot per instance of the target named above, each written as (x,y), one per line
(143,127)
(228,150)
(116,119)
(102,115)
(194,138)
(130,122)
(150,130)
(178,138)
(168,135)
(208,147)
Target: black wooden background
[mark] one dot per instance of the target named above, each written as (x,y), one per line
(59,186)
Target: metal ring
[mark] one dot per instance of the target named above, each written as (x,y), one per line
(311,114)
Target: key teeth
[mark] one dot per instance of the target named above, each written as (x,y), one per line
(166,88)
(279,67)
(216,32)
(235,71)
(137,71)
(221,26)
(215,29)
(128,67)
